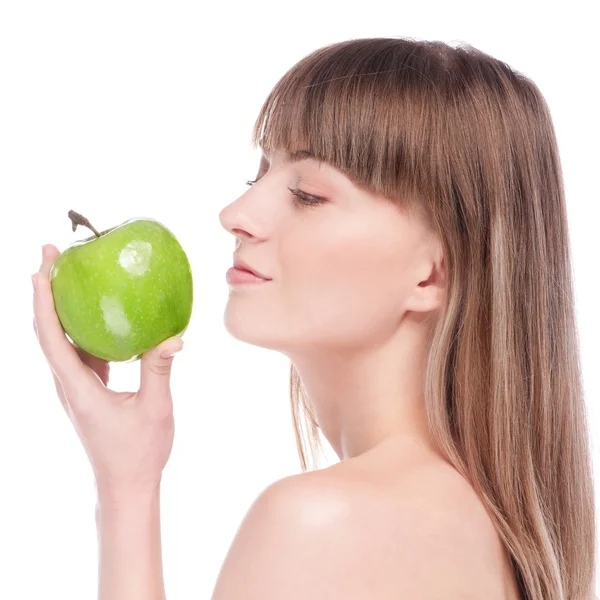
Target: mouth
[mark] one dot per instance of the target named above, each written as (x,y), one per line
(237,276)
(240,265)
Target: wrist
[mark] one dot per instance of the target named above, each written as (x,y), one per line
(109,497)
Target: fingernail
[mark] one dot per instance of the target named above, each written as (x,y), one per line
(166,354)
(34,282)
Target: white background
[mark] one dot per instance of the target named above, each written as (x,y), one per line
(125,109)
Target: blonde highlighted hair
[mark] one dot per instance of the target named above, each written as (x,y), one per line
(467,143)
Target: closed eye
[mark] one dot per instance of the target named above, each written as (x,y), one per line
(300,197)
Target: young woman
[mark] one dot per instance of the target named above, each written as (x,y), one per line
(409,227)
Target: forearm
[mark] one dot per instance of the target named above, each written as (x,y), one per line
(129,546)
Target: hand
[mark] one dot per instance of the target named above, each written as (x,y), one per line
(128,436)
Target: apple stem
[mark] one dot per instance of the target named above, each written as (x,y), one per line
(78,219)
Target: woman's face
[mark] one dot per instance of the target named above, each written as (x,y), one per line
(340,270)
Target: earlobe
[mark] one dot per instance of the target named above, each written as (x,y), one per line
(428,295)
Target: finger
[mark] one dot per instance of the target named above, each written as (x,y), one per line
(98,365)
(58,350)
(61,393)
(49,254)
(155,375)
(59,389)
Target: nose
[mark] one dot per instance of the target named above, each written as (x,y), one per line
(235,221)
(222,217)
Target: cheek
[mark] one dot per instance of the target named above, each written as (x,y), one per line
(343,284)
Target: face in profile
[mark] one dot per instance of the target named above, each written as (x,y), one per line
(340,267)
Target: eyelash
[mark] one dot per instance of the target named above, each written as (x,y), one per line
(300,197)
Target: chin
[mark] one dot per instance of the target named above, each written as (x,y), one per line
(249,329)
(260,326)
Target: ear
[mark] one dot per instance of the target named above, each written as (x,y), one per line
(430,288)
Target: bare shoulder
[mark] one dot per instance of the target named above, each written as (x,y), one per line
(287,545)
(375,527)
(422,528)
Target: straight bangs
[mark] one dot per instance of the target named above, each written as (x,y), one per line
(461,139)
(372,123)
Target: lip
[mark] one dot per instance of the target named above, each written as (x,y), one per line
(241,277)
(238,263)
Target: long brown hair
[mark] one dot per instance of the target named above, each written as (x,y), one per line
(468,143)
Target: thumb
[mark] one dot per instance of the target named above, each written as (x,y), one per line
(156,366)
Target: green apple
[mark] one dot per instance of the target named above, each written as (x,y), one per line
(124,290)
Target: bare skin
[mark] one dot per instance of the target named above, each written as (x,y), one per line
(403,486)
(355,284)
